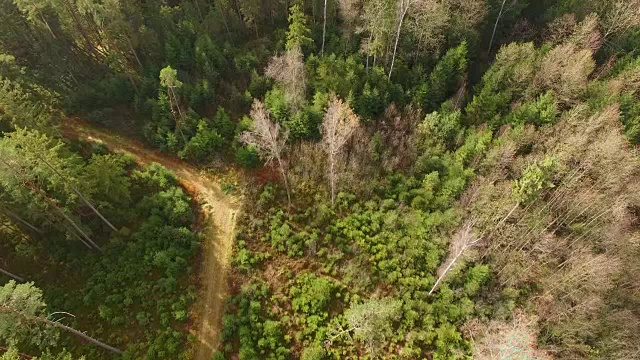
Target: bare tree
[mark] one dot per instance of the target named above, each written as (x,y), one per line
(619,16)
(371,322)
(428,22)
(514,340)
(565,70)
(288,71)
(459,244)
(337,128)
(378,19)
(268,139)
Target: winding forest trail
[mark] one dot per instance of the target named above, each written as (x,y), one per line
(219,211)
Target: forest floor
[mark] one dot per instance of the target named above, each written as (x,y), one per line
(219,211)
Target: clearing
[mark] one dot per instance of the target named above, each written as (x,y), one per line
(220,214)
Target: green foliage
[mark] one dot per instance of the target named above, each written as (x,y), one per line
(298,33)
(507,79)
(223,124)
(284,239)
(476,277)
(444,80)
(169,78)
(13,354)
(247,157)
(373,320)
(106,179)
(155,177)
(204,144)
(312,295)
(542,111)
(442,129)
(536,178)
(314,352)
(630,116)
(259,332)
(21,312)
(152,264)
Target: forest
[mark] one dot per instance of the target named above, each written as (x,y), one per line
(319,179)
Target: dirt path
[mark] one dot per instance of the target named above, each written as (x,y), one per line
(219,210)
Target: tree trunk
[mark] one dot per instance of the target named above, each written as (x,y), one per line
(332,178)
(369,51)
(11,214)
(81,29)
(324,28)
(134,52)
(37,190)
(79,195)
(495,26)
(83,335)
(444,273)
(13,276)
(284,178)
(46,23)
(198,8)
(395,47)
(172,95)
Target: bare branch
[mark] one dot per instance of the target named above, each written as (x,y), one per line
(338,126)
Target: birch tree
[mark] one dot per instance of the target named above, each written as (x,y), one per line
(403,9)
(288,72)
(371,322)
(427,21)
(618,17)
(324,27)
(268,139)
(169,80)
(460,243)
(338,126)
(378,20)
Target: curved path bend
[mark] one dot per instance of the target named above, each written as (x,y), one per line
(219,211)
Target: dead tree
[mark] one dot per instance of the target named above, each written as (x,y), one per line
(268,139)
(460,243)
(338,126)
(288,71)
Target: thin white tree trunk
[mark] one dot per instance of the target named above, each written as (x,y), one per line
(495,26)
(444,273)
(83,335)
(395,47)
(332,178)
(80,195)
(173,101)
(37,190)
(19,219)
(324,27)
(467,244)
